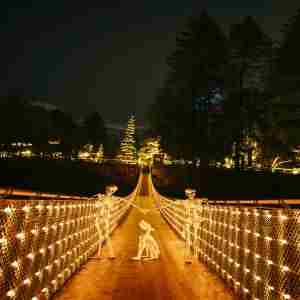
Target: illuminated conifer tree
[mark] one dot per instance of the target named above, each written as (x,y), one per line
(127,148)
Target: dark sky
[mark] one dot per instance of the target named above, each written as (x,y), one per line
(109,55)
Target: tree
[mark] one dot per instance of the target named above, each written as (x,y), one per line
(287,67)
(286,85)
(248,70)
(128,153)
(94,129)
(181,114)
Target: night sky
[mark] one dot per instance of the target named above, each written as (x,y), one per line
(106,56)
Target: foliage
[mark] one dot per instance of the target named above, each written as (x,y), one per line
(94,129)
(248,71)
(285,84)
(181,113)
(32,119)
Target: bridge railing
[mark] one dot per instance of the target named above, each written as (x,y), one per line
(43,242)
(255,251)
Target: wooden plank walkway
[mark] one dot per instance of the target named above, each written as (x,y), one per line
(122,278)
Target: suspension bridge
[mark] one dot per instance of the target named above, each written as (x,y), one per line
(49,243)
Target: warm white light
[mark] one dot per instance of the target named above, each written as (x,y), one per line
(11,293)
(15,264)
(30,256)
(8,210)
(283,217)
(26,209)
(285,268)
(27,281)
(3,241)
(33,232)
(258,278)
(20,236)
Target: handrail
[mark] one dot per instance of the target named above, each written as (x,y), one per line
(44,242)
(11,191)
(255,251)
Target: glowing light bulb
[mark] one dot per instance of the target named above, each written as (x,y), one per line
(30,256)
(20,236)
(26,209)
(33,232)
(27,281)
(285,268)
(258,278)
(8,210)
(3,241)
(15,264)
(11,293)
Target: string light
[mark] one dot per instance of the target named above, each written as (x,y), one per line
(8,211)
(78,224)
(30,256)
(219,236)
(11,294)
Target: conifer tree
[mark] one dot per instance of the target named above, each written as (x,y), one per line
(128,152)
(248,70)
(288,63)
(180,114)
(286,85)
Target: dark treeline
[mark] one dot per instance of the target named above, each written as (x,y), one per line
(223,91)
(31,119)
(222,184)
(67,177)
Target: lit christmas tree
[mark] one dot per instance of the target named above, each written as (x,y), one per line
(127,148)
(99,155)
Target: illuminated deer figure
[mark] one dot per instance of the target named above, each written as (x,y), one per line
(148,248)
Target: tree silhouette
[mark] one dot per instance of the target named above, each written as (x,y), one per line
(248,70)
(180,114)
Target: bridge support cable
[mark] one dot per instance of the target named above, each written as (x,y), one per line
(44,242)
(255,251)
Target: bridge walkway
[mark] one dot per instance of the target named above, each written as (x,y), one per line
(122,278)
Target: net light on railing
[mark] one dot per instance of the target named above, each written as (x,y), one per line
(228,231)
(61,225)
(11,294)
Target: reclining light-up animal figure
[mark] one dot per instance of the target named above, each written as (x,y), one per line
(148,248)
